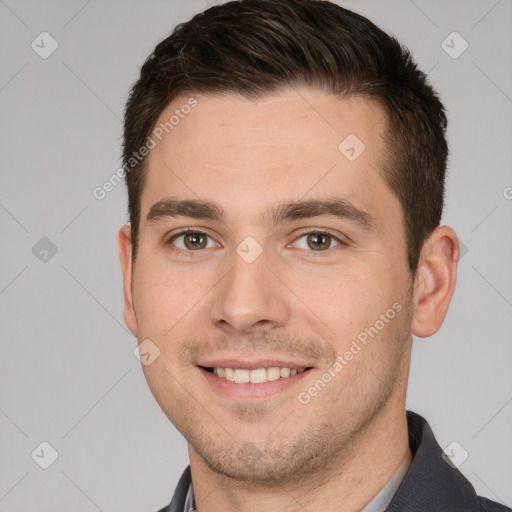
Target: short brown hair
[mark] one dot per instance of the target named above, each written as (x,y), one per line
(257,47)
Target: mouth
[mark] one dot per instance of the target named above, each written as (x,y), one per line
(256,376)
(260,381)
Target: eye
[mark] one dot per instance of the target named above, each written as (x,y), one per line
(317,241)
(192,240)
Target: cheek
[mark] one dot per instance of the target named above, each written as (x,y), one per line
(170,389)
(343,305)
(161,297)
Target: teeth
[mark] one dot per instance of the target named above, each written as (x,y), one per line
(257,376)
(273,373)
(241,375)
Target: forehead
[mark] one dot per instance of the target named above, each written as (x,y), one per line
(284,146)
(306,120)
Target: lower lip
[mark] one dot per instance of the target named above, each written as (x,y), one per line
(248,390)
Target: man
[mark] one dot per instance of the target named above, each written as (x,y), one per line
(285,169)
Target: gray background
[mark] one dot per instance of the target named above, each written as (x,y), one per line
(69,376)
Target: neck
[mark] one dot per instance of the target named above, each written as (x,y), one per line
(353,479)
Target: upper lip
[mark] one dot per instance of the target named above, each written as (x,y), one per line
(253,364)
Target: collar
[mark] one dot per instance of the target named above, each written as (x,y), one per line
(431,484)
(385,495)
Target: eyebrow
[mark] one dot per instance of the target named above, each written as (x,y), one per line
(294,210)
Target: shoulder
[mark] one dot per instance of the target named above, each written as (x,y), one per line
(433,483)
(487,505)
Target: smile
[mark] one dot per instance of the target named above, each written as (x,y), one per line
(257,376)
(256,383)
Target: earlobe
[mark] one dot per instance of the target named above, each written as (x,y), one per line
(125,256)
(435,281)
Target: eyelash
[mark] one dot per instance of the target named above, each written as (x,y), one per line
(311,253)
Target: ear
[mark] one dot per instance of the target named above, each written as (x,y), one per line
(435,281)
(124,243)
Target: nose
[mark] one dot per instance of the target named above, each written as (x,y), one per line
(250,298)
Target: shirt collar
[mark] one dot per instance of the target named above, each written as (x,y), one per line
(190,505)
(385,495)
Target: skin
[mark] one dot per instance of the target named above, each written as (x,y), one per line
(292,302)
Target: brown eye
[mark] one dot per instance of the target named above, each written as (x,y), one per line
(195,240)
(192,241)
(319,241)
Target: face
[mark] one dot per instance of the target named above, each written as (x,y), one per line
(269,250)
